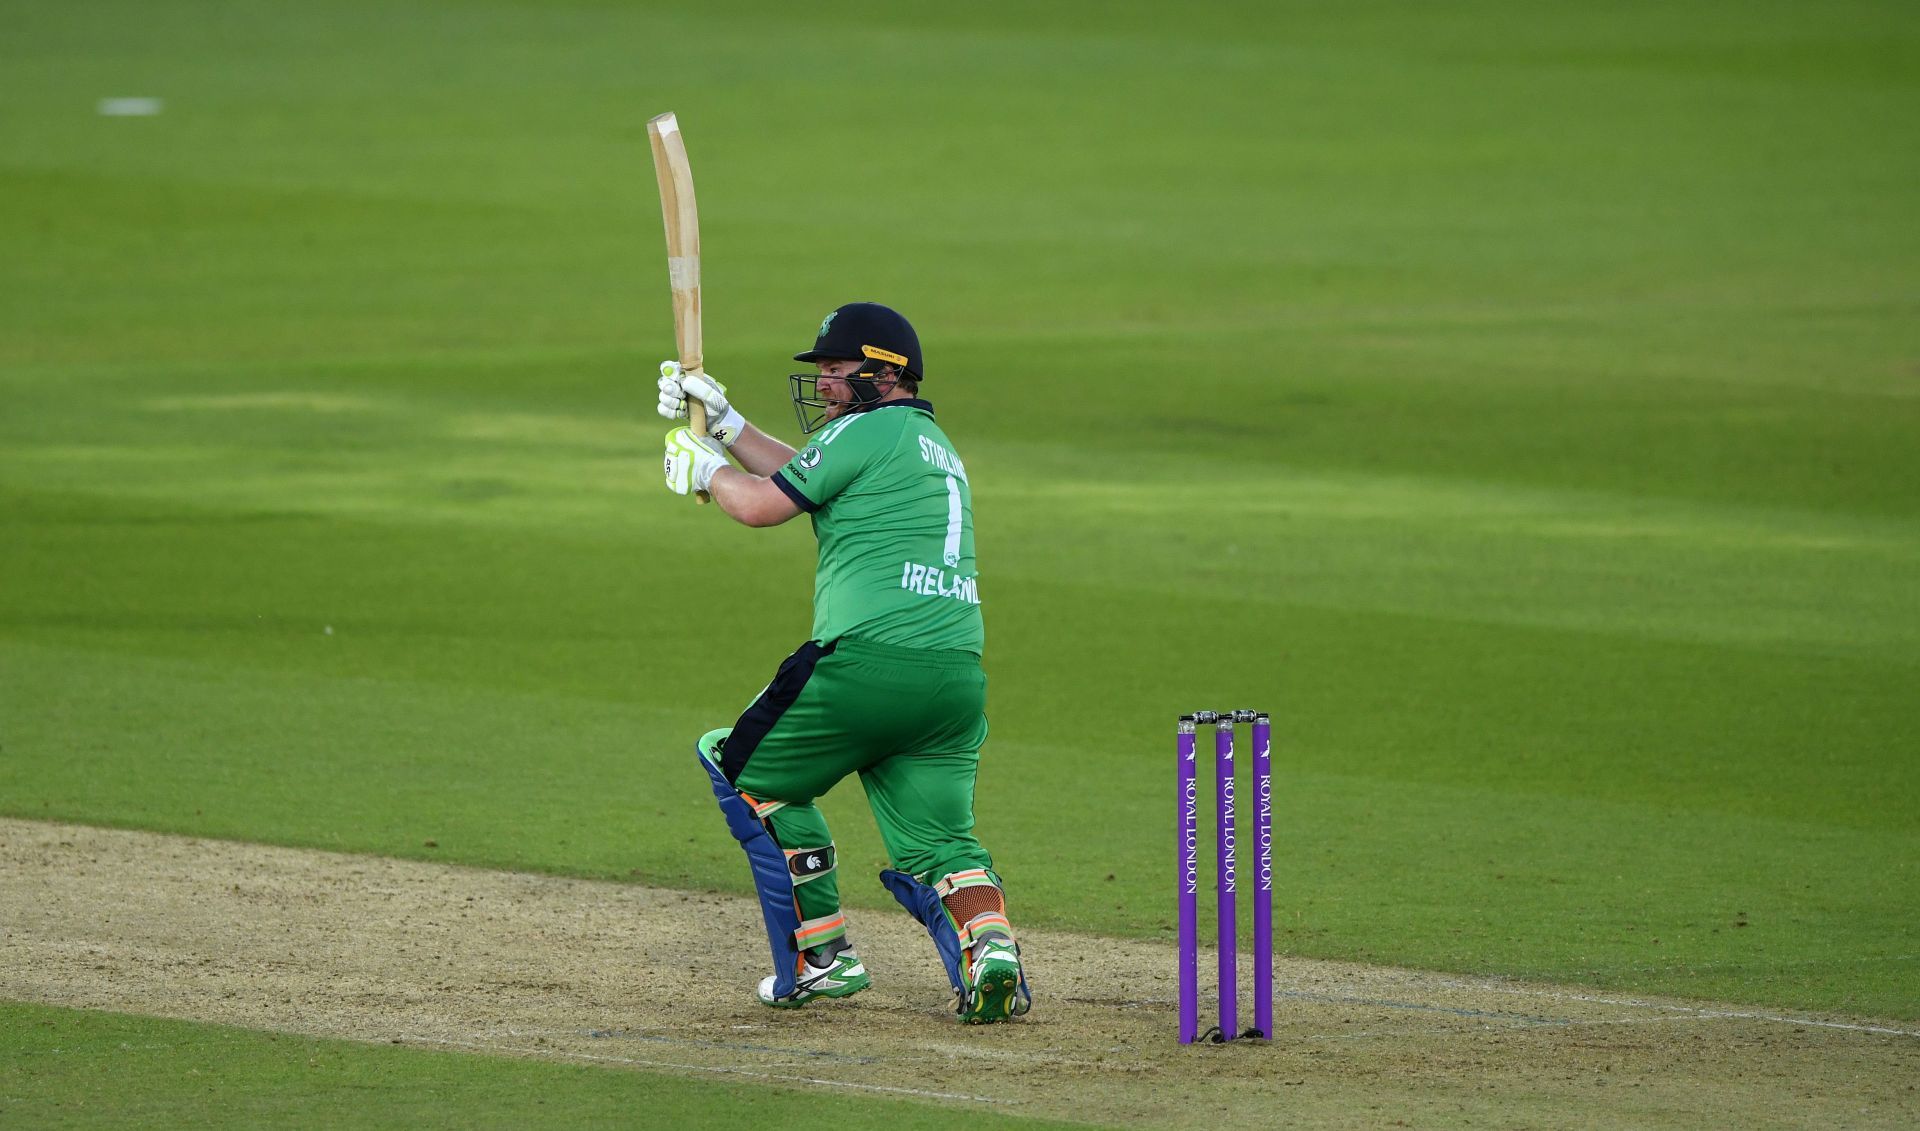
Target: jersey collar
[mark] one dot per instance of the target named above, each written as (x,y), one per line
(910,402)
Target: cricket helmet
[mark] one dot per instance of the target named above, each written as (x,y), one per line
(875,336)
(870,333)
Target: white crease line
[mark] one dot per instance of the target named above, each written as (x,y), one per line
(714,1068)
(1709,1014)
(1637,1021)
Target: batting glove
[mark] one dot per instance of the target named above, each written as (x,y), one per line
(724,422)
(691,461)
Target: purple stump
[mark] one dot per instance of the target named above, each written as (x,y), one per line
(1226,911)
(1263,880)
(1187,852)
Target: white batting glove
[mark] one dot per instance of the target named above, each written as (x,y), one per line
(724,422)
(691,461)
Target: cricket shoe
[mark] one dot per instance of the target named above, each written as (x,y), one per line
(843,976)
(995,992)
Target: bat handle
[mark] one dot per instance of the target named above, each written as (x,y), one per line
(697,421)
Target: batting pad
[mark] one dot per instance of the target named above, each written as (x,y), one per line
(772,879)
(924,904)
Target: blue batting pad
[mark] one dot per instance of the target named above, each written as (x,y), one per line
(771,879)
(923,903)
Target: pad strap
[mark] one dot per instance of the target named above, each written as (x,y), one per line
(971,878)
(821,931)
(983,924)
(809,864)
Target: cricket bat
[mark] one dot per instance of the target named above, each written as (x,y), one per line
(682,217)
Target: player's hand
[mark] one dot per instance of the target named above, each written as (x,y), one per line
(724,422)
(676,385)
(691,461)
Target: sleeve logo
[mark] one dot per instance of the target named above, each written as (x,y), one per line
(809,458)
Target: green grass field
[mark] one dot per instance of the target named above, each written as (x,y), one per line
(1524,403)
(67,1068)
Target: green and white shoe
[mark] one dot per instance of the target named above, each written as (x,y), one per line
(843,976)
(995,991)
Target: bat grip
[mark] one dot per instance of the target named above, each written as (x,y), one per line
(697,421)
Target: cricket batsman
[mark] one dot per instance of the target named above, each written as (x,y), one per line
(889,686)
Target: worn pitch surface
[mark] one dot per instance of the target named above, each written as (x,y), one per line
(512,964)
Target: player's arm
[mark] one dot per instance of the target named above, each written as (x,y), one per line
(752,500)
(759,453)
(756,451)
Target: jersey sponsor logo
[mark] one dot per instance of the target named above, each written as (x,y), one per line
(930,582)
(941,458)
(810,458)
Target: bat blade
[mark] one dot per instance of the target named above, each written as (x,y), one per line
(682,217)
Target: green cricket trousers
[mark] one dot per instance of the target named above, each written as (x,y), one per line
(909,721)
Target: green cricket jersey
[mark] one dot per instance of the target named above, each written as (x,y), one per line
(894,516)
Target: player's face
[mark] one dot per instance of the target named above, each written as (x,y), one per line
(833,387)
